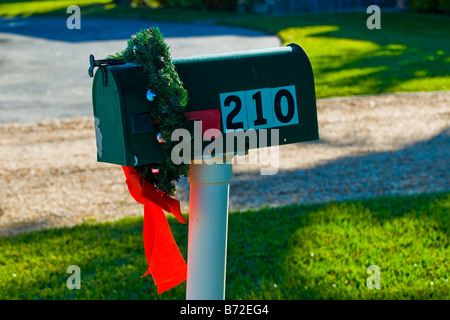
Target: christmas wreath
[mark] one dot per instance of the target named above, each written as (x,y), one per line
(167,101)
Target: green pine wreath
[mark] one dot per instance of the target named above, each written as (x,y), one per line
(148,49)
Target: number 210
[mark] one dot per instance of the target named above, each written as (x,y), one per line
(259,108)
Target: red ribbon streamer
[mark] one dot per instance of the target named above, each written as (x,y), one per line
(165,262)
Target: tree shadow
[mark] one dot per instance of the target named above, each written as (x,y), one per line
(261,263)
(413,171)
(420,167)
(282,264)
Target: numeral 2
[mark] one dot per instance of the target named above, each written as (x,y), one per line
(234,112)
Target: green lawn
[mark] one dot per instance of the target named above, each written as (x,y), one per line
(104,9)
(296,252)
(12,8)
(411,52)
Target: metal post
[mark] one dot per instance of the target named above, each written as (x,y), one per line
(208,226)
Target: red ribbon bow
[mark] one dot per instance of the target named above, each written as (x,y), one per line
(164,259)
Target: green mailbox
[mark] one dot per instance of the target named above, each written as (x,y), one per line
(244,91)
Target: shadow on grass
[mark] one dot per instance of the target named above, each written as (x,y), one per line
(409,53)
(327,248)
(110,256)
(323,251)
(269,254)
(394,64)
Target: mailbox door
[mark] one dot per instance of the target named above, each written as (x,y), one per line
(109,127)
(125,131)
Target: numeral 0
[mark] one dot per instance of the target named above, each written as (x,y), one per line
(277,106)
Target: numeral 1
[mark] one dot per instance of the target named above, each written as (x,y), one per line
(259,112)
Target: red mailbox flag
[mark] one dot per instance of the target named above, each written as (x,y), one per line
(164,259)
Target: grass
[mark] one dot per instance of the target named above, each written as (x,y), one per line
(105,9)
(409,53)
(11,8)
(296,252)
